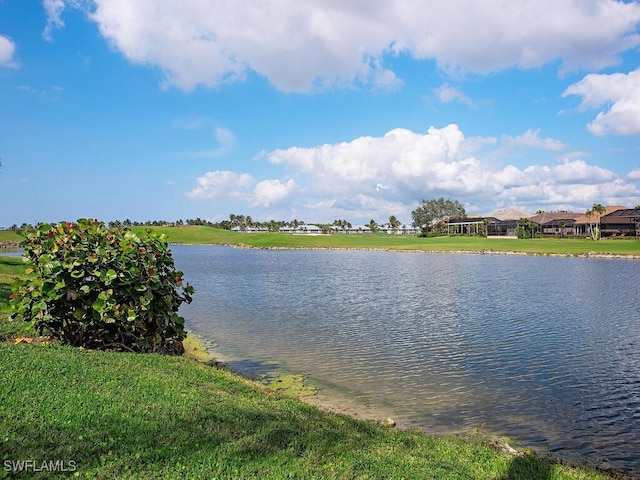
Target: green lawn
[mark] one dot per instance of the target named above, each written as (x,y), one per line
(10,235)
(543,246)
(147,416)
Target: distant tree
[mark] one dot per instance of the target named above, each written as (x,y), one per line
(538,212)
(563,227)
(434,211)
(342,224)
(524,228)
(485,227)
(373,226)
(598,211)
(589,215)
(274,226)
(594,214)
(394,223)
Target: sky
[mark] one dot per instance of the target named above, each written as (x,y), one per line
(315,110)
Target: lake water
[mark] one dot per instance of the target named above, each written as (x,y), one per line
(544,350)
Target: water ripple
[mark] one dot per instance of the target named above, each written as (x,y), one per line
(543,350)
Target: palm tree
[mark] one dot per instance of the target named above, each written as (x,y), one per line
(526,228)
(485,226)
(562,224)
(589,215)
(373,226)
(599,210)
(394,223)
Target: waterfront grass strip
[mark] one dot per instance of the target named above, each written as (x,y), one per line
(147,416)
(383,241)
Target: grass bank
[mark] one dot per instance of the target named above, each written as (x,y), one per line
(118,415)
(146,416)
(542,246)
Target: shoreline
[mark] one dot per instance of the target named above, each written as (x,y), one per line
(595,255)
(336,403)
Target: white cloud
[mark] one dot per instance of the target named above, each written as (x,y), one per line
(532,139)
(269,192)
(446,94)
(402,167)
(222,184)
(7,51)
(620,95)
(374,177)
(230,185)
(53,9)
(634,174)
(319,44)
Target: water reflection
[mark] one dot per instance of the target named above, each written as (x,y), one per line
(543,350)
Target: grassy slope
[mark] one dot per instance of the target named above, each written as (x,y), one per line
(147,416)
(10,235)
(570,246)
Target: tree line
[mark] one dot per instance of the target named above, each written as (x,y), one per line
(429,216)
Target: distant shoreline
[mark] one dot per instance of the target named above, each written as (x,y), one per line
(595,255)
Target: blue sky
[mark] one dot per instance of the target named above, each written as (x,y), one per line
(316,109)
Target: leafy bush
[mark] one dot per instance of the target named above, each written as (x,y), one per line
(102,288)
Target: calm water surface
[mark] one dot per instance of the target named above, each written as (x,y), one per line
(543,350)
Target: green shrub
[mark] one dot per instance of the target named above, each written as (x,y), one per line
(102,288)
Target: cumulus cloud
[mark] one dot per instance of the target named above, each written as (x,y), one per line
(7,51)
(318,44)
(230,185)
(634,174)
(224,184)
(374,177)
(408,164)
(619,93)
(269,192)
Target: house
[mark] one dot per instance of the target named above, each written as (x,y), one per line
(622,222)
(616,220)
(308,229)
(359,229)
(474,226)
(584,223)
(558,223)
